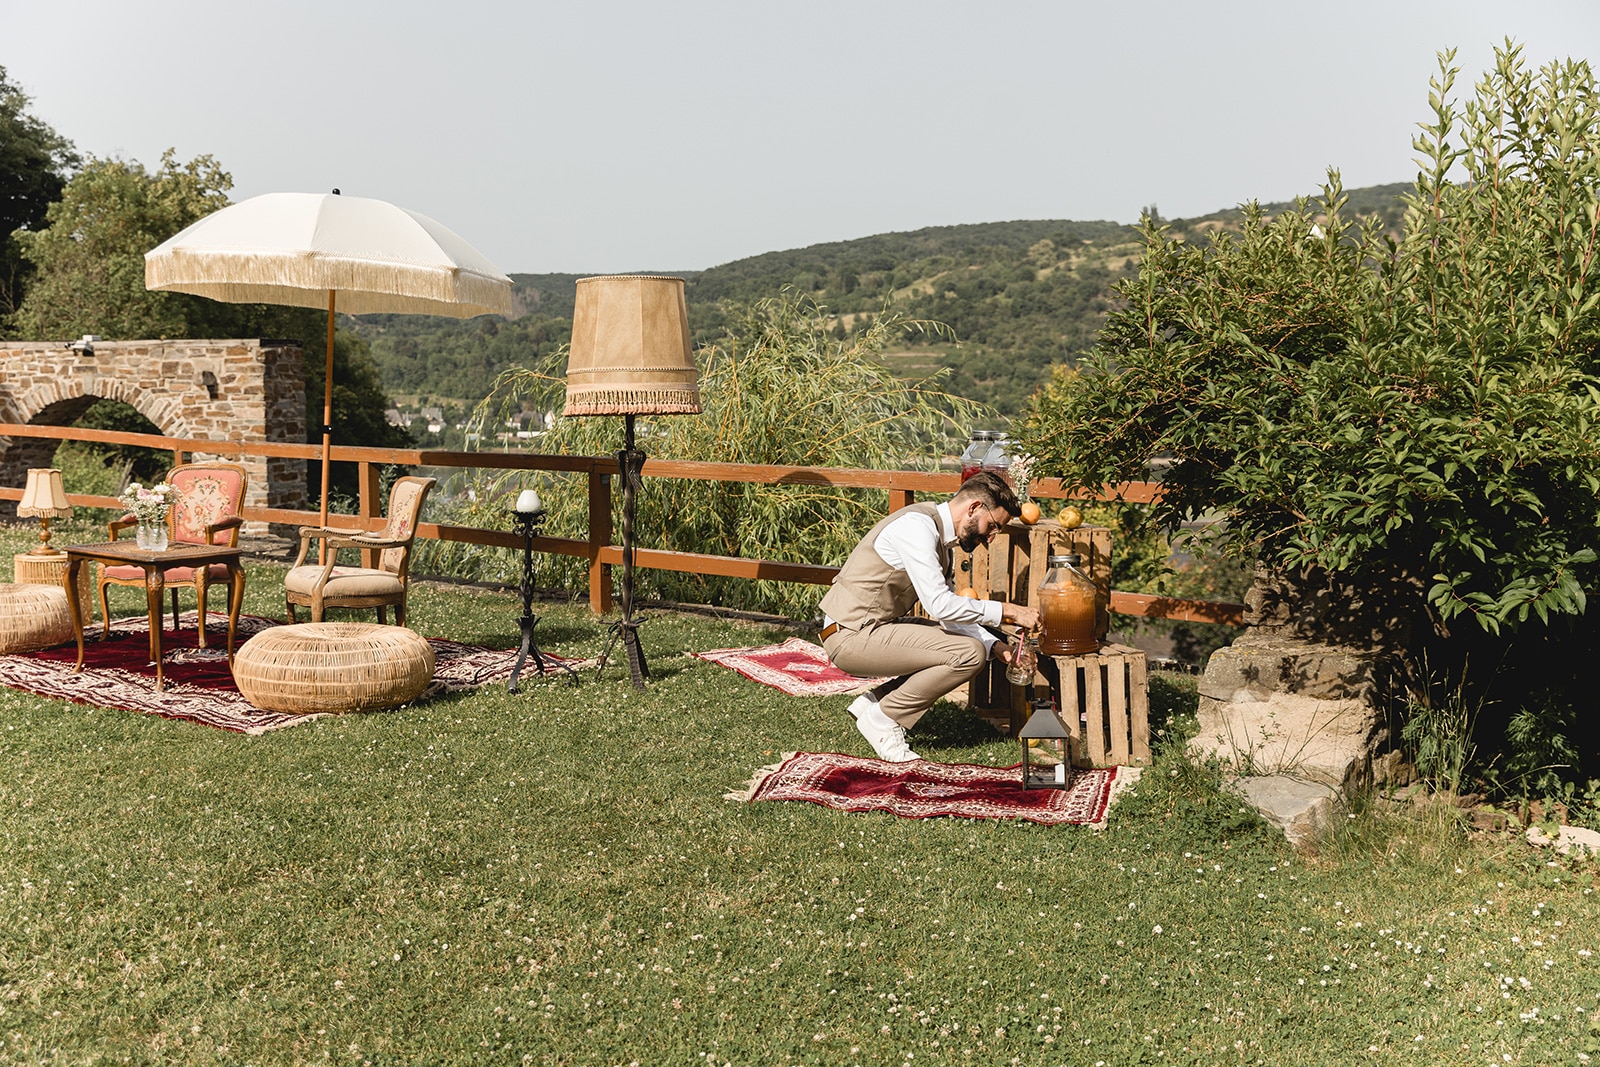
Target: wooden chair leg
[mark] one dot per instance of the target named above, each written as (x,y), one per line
(288,609)
(201,589)
(105,614)
(383,615)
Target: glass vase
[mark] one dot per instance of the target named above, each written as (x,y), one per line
(152,536)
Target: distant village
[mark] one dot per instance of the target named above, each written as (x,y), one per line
(437,427)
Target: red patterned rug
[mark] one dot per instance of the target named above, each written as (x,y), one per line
(921,790)
(796,666)
(199,686)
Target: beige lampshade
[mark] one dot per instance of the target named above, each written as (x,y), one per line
(44,496)
(630,349)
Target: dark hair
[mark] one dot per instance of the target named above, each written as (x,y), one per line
(992,490)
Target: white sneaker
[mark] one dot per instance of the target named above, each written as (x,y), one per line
(887,737)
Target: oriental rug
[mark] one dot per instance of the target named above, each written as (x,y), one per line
(796,667)
(118,673)
(920,789)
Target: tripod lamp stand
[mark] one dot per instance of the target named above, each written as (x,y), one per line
(631,356)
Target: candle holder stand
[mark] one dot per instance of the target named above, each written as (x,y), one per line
(530,524)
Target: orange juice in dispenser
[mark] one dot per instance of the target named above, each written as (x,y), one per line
(1069,607)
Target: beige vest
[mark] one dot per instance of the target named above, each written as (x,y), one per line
(867,590)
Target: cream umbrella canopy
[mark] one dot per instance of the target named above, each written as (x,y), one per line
(349,253)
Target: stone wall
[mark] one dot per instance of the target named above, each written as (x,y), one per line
(227,390)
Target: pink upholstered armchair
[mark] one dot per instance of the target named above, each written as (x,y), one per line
(207,512)
(324,585)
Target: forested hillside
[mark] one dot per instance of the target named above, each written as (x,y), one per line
(1020,296)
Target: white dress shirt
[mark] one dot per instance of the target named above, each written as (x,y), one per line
(911,544)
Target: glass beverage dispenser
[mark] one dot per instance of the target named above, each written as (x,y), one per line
(1069,608)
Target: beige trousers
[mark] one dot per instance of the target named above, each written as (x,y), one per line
(926,661)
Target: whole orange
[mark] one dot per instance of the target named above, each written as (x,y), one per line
(1030,513)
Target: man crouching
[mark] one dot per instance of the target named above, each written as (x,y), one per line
(902,561)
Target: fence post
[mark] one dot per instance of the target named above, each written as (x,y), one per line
(901,498)
(368,475)
(599,537)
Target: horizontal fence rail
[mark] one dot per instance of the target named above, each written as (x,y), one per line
(599,548)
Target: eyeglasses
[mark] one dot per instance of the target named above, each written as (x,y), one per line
(995,525)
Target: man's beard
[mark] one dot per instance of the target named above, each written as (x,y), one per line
(970,540)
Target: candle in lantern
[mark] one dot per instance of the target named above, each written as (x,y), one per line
(1061,774)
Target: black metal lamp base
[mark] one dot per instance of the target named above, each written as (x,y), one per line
(627,631)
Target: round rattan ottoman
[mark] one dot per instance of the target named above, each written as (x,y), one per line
(332,666)
(33,617)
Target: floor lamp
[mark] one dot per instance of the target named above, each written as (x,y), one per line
(630,356)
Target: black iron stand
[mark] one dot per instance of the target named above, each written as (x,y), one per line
(530,523)
(631,463)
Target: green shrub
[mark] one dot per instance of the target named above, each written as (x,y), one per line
(1344,401)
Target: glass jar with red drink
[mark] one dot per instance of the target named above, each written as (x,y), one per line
(978,445)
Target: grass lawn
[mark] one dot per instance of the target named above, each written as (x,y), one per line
(555,878)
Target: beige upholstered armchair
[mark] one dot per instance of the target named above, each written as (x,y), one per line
(320,586)
(210,499)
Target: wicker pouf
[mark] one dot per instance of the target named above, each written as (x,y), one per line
(33,617)
(332,666)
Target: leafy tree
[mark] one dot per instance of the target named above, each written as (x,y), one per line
(34,163)
(89,258)
(1382,410)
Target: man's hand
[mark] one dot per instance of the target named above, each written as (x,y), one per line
(1019,615)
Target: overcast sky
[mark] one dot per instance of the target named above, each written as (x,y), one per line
(594,137)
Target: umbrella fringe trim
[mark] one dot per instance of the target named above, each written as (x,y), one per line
(362,287)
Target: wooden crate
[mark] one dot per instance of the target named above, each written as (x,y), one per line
(1104,698)
(1011,568)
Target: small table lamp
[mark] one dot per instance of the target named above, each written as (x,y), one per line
(631,356)
(45,498)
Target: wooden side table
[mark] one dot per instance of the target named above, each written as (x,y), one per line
(51,569)
(155,564)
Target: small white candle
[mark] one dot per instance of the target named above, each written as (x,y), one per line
(528,501)
(1061,774)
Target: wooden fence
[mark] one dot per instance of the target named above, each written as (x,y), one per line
(599,548)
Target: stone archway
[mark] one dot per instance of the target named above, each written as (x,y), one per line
(236,390)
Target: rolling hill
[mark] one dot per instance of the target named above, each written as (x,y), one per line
(1020,296)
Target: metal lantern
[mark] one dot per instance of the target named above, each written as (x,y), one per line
(1046,749)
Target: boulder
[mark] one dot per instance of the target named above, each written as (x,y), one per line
(1301,809)
(1271,705)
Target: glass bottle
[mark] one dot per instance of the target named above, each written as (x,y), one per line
(1068,606)
(977,447)
(1025,661)
(998,457)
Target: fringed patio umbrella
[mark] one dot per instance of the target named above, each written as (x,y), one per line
(313,250)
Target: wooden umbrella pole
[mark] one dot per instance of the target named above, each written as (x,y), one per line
(327,428)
